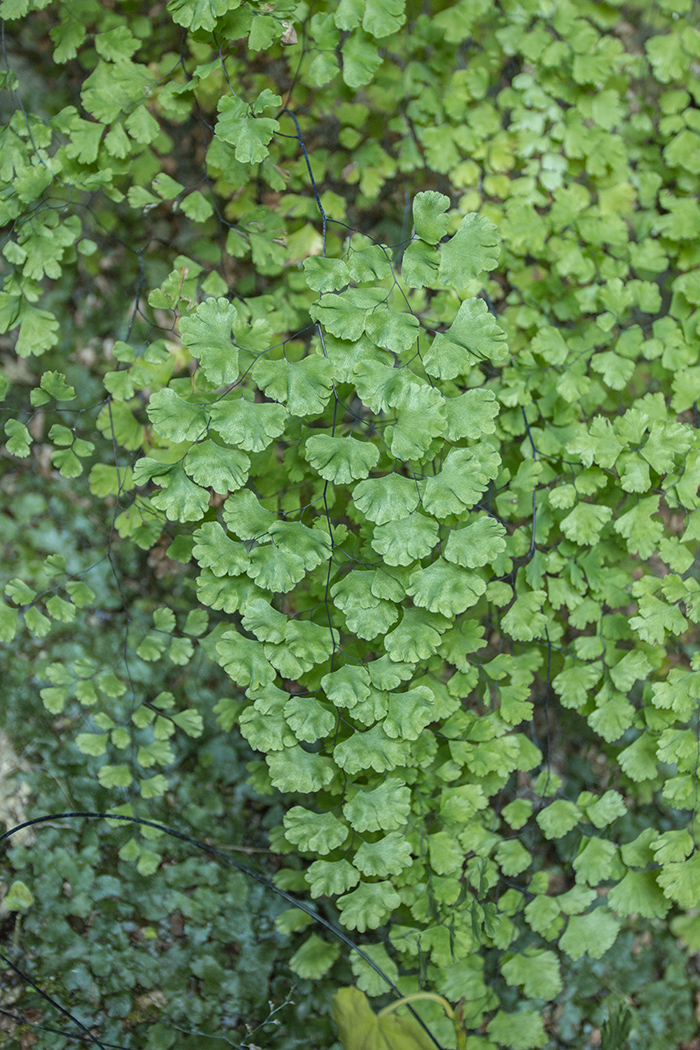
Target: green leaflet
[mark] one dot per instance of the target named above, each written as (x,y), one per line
(402,542)
(371,749)
(381,19)
(360,61)
(305,645)
(541,913)
(367,623)
(246,517)
(417,636)
(523,1030)
(372,709)
(558,818)
(420,417)
(384,807)
(639,893)
(52,385)
(262,726)
(294,769)
(471,415)
(656,618)
(409,713)
(679,880)
(369,263)
(331,878)
(420,265)
(446,589)
(340,459)
(347,686)
(207,334)
(19,439)
(605,809)
(273,569)
(308,719)
(244,660)
(537,971)
(380,384)
(477,544)
(245,424)
(592,934)
(365,614)
(222,469)
(346,357)
(175,419)
(672,846)
(638,760)
(227,594)
(387,856)
(525,620)
(368,980)
(594,861)
(303,386)
(313,546)
(180,499)
(368,906)
(600,445)
(429,215)
(474,248)
(196,14)
(326,275)
(266,623)
(473,336)
(345,316)
(388,583)
(512,858)
(18,897)
(314,832)
(388,498)
(459,484)
(585,523)
(215,551)
(392,330)
(248,132)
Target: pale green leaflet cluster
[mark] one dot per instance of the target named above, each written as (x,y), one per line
(424,494)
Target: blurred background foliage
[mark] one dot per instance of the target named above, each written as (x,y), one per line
(190,948)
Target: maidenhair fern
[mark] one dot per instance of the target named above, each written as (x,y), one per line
(408,384)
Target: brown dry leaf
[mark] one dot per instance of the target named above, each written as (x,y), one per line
(290,34)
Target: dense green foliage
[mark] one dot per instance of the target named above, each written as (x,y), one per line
(377,328)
